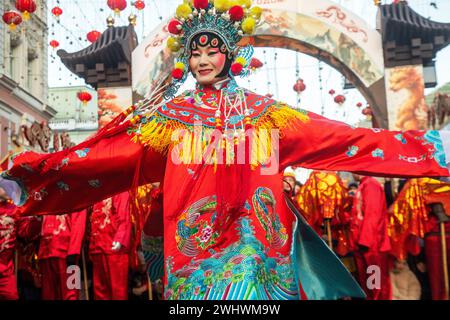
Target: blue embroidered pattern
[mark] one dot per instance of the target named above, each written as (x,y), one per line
(63,186)
(378,153)
(400,138)
(352,151)
(242,271)
(94,183)
(82,153)
(434,138)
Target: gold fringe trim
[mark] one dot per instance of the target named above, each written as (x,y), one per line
(196,144)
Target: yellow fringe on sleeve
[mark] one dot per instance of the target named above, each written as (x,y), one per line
(163,134)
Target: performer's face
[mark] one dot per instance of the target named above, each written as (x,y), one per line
(206,63)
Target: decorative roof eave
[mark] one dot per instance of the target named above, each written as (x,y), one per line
(400,23)
(115,45)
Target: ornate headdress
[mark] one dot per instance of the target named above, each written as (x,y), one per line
(229,20)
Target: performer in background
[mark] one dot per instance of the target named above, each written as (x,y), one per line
(370,236)
(109,246)
(12,227)
(229,230)
(59,248)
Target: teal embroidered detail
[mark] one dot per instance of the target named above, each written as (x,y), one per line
(352,151)
(434,138)
(378,153)
(240,271)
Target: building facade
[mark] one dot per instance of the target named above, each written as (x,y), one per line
(73,117)
(23,78)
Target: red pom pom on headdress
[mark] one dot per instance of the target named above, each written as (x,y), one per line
(177,74)
(236,13)
(174,27)
(236,68)
(201,4)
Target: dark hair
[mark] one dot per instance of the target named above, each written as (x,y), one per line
(353,185)
(204,39)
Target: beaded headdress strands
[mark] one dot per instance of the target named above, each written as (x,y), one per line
(229,20)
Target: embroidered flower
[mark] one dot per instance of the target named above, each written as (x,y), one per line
(63,186)
(206,234)
(352,151)
(378,153)
(400,138)
(82,153)
(94,183)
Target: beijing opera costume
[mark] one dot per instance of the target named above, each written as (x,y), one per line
(229,231)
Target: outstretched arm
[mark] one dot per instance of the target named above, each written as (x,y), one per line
(72,179)
(315,142)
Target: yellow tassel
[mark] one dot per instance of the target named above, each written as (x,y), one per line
(194,147)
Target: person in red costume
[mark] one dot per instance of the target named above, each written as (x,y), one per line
(220,151)
(433,251)
(370,236)
(59,248)
(12,227)
(109,245)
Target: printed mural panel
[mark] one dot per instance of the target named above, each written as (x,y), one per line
(111,102)
(407,109)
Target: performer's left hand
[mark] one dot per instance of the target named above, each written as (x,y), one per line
(116,246)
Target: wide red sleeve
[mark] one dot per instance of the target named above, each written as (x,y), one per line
(121,204)
(315,142)
(73,179)
(77,229)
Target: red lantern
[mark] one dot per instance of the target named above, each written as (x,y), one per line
(359,104)
(84,97)
(54,44)
(140,5)
(331,92)
(367,111)
(26,7)
(255,64)
(117,5)
(299,86)
(340,99)
(57,11)
(93,36)
(12,19)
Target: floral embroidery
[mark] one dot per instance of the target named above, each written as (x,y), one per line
(240,271)
(195,232)
(63,186)
(433,137)
(412,159)
(400,138)
(352,151)
(82,153)
(39,195)
(378,153)
(94,183)
(64,162)
(264,205)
